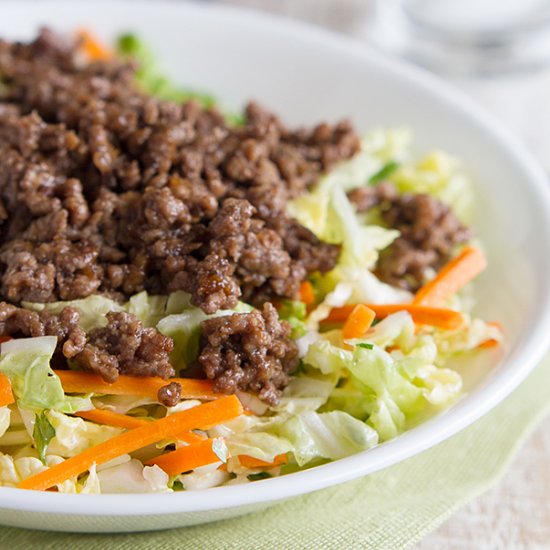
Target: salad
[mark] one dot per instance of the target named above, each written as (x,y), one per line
(194,298)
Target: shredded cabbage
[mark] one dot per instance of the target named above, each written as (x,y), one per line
(347,395)
(26,362)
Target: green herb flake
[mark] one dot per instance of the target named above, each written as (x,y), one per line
(42,434)
(386,170)
(365,346)
(219,448)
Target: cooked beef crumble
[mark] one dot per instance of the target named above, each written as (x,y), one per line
(21,323)
(170,394)
(125,346)
(250,352)
(428,232)
(104,189)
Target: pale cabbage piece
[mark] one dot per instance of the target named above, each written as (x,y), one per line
(133,477)
(331,435)
(93,309)
(388,144)
(204,477)
(91,485)
(74,435)
(5,417)
(26,362)
(308,435)
(305,393)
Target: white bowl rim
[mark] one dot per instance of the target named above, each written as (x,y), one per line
(411,443)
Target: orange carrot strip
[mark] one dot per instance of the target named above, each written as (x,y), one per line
(5,339)
(306,293)
(452,277)
(424,315)
(491,343)
(92,47)
(111,418)
(147,386)
(186,458)
(6,395)
(358,322)
(200,417)
(251,462)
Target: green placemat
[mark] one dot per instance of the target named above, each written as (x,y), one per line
(392,509)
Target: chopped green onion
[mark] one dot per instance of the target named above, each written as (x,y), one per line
(386,170)
(365,346)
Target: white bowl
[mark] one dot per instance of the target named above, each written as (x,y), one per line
(308,75)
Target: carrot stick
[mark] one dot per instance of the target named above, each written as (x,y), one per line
(452,277)
(187,458)
(92,47)
(110,418)
(358,322)
(201,417)
(251,462)
(147,386)
(6,395)
(424,315)
(306,293)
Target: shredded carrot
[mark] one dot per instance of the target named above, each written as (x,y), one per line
(186,458)
(307,294)
(452,277)
(6,395)
(111,418)
(146,386)
(5,339)
(359,321)
(201,417)
(437,317)
(251,462)
(492,342)
(92,47)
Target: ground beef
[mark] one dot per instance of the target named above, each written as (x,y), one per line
(105,189)
(249,352)
(22,323)
(365,198)
(170,395)
(125,346)
(428,232)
